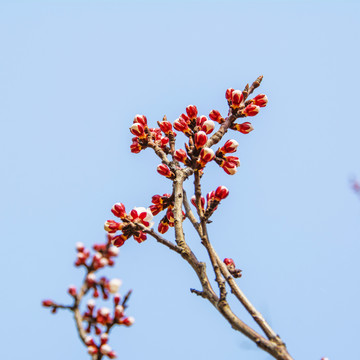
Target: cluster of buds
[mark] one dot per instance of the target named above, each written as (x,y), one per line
(145,136)
(230,264)
(97,321)
(130,225)
(213,199)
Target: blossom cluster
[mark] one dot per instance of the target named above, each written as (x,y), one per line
(94,320)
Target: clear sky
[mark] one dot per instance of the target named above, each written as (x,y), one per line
(72,76)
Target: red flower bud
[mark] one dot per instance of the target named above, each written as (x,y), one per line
(92,350)
(192,112)
(72,290)
(140,119)
(200,139)
(228,261)
(128,321)
(119,240)
(236,98)
(221,193)
(112,226)
(164,170)
(206,155)
(202,200)
(244,128)
(208,126)
(229,147)
(181,125)
(228,94)
(180,155)
(229,167)
(138,130)
(251,110)
(135,147)
(47,303)
(163,227)
(260,100)
(215,115)
(155,209)
(119,210)
(165,127)
(141,237)
(185,118)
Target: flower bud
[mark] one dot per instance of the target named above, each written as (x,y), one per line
(228,94)
(111,354)
(89,341)
(165,127)
(229,167)
(208,126)
(180,155)
(236,98)
(140,238)
(140,119)
(135,147)
(112,226)
(164,170)
(128,321)
(47,303)
(72,290)
(119,311)
(244,128)
(155,209)
(163,227)
(251,110)
(90,279)
(228,261)
(200,139)
(206,155)
(105,349)
(114,285)
(91,304)
(104,338)
(181,125)
(119,210)
(260,100)
(221,193)
(192,112)
(113,251)
(117,299)
(215,116)
(229,147)
(202,200)
(92,350)
(119,240)
(80,246)
(138,130)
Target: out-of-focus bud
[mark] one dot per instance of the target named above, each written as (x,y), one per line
(89,341)
(117,299)
(119,210)
(92,350)
(119,311)
(113,251)
(104,311)
(260,100)
(244,128)
(80,246)
(112,226)
(228,94)
(72,290)
(105,349)
(251,110)
(138,130)
(91,304)
(163,227)
(216,116)
(180,155)
(200,139)
(128,321)
(206,155)
(47,303)
(229,147)
(90,279)
(192,111)
(221,193)
(104,338)
(164,170)
(236,98)
(208,126)
(228,261)
(111,354)
(114,285)
(140,119)
(165,127)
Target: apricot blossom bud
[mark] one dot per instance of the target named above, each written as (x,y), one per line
(228,261)
(72,290)
(80,246)
(221,193)
(105,349)
(251,110)
(260,100)
(89,341)
(90,279)
(228,94)
(200,139)
(92,350)
(112,226)
(119,240)
(244,128)
(164,170)
(192,111)
(140,119)
(180,155)
(229,147)
(202,200)
(128,321)
(206,155)
(236,98)
(208,126)
(163,227)
(114,285)
(215,116)
(91,304)
(119,210)
(181,125)
(165,127)
(47,303)
(137,130)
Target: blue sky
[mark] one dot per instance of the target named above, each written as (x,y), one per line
(72,76)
